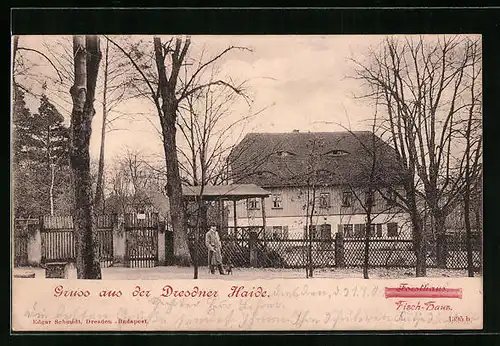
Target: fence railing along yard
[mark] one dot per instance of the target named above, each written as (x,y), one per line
(241,246)
(250,247)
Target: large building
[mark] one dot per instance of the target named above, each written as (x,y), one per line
(333,169)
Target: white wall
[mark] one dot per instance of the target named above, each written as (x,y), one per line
(292,213)
(296,224)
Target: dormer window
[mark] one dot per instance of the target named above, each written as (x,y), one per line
(337,153)
(284,153)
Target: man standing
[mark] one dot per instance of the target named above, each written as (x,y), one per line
(212,241)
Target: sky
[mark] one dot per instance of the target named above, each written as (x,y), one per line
(294,82)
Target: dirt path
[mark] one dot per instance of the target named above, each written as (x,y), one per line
(166,273)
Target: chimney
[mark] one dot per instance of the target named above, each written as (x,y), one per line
(295,131)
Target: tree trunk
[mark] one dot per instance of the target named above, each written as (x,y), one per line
(470,264)
(174,191)
(418,233)
(367,243)
(196,238)
(420,245)
(182,256)
(86,64)
(480,232)
(99,191)
(51,189)
(311,231)
(440,231)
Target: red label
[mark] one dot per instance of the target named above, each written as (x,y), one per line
(422,292)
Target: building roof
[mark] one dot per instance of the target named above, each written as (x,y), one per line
(336,158)
(233,192)
(160,202)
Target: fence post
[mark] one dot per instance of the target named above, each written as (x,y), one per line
(119,241)
(252,245)
(339,250)
(161,243)
(35,247)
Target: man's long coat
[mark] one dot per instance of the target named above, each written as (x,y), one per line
(212,241)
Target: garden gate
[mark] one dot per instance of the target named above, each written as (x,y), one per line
(141,240)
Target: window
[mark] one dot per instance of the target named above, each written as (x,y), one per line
(369,199)
(279,233)
(375,230)
(337,153)
(359,230)
(348,231)
(277,202)
(326,232)
(392,229)
(326,236)
(324,200)
(346,198)
(372,230)
(252,203)
(285,232)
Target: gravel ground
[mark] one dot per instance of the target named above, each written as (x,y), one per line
(162,273)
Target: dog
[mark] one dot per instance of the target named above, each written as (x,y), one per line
(229,269)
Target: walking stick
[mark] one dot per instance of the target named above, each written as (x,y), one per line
(209,261)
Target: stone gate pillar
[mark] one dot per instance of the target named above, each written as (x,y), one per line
(119,241)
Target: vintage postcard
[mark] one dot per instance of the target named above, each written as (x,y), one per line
(246,183)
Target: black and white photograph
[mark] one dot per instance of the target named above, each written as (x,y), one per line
(246,157)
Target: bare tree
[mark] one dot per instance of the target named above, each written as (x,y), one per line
(315,148)
(473,152)
(115,90)
(23,66)
(168,91)
(113,84)
(87,56)
(423,83)
(372,185)
(130,178)
(209,134)
(375,182)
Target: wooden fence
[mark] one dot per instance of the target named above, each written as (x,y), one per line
(58,241)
